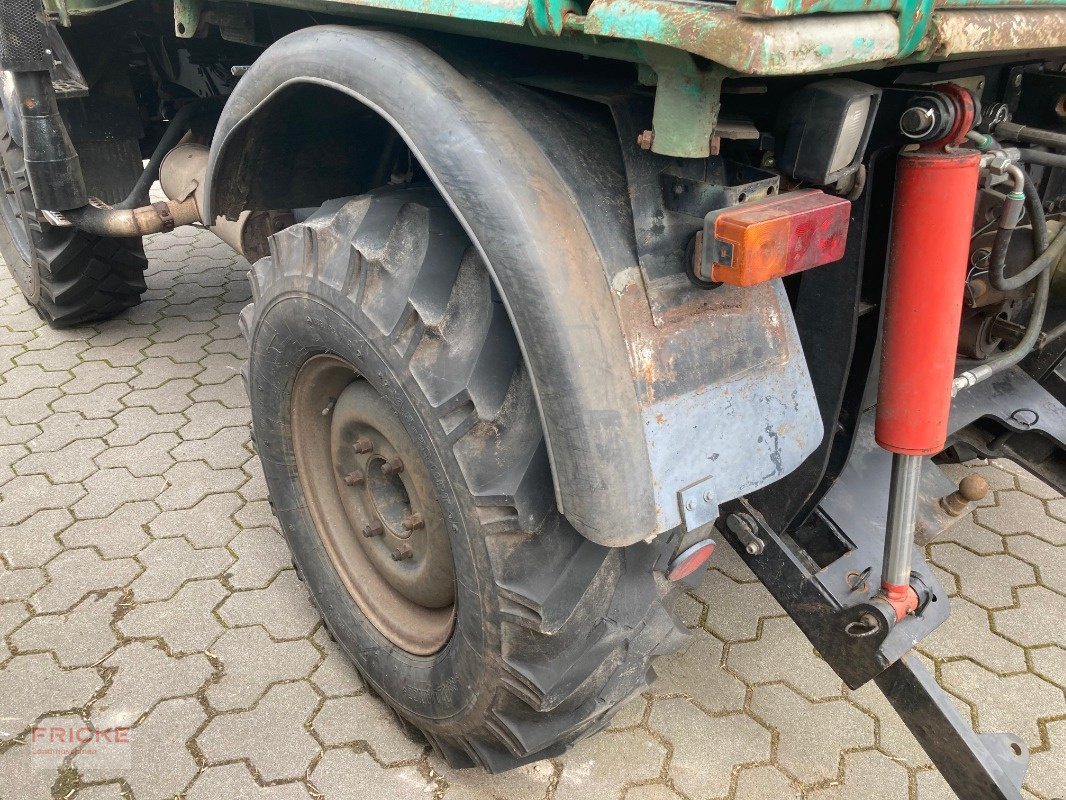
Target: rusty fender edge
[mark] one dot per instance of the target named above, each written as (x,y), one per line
(634,414)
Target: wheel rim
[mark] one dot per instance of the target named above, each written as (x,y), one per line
(373,504)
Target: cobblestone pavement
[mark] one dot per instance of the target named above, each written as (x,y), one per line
(143,583)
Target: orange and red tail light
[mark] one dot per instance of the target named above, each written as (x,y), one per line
(766,239)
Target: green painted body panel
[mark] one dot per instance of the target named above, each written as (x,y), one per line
(759,37)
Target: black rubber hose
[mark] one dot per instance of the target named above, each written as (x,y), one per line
(1047,254)
(1023,133)
(178,127)
(1042,157)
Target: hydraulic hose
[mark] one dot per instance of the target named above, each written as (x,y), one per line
(179,125)
(1056,332)
(1041,157)
(1048,258)
(1023,133)
(1045,258)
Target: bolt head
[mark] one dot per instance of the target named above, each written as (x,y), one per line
(354,477)
(402,553)
(363,445)
(645,140)
(394,466)
(708,497)
(690,505)
(413,522)
(375,528)
(917,122)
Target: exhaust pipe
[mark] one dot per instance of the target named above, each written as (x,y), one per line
(182,177)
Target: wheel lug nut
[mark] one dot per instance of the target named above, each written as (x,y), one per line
(363,445)
(413,522)
(393,466)
(402,553)
(375,528)
(354,477)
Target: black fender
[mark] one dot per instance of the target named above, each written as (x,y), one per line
(618,391)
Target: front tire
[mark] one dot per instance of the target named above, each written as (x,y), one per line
(376,334)
(69,277)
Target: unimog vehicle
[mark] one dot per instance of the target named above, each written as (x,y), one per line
(551,296)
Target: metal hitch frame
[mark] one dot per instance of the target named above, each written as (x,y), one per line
(833,604)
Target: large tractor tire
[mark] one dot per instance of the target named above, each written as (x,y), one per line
(406,463)
(68,276)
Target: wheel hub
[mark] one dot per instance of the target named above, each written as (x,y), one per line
(374,505)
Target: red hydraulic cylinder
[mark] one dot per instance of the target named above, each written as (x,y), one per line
(932,217)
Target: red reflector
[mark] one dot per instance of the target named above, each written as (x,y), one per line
(766,239)
(690,560)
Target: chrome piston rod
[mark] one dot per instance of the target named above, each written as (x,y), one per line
(902,514)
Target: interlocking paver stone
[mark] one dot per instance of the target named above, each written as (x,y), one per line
(251,662)
(261,554)
(25,495)
(765,782)
(1047,770)
(283,608)
(33,542)
(168,563)
(143,676)
(604,764)
(783,653)
(21,776)
(969,636)
(32,685)
(811,734)
(135,424)
(186,621)
(1017,512)
(272,736)
(150,456)
(73,463)
(697,672)
(235,781)
(707,749)
(80,637)
(68,427)
(228,448)
(1050,664)
(161,765)
(984,580)
(19,584)
(1046,557)
(529,782)
(120,534)
(207,524)
(208,418)
(346,720)
(190,482)
(74,573)
(1037,620)
(31,407)
(335,676)
(344,773)
(109,489)
(1005,703)
(736,608)
(883,779)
